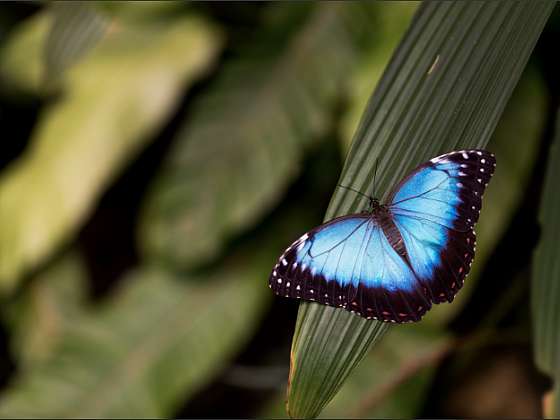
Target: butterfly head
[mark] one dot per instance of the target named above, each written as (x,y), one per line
(374,205)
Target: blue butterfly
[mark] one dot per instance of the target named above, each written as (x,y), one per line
(393,261)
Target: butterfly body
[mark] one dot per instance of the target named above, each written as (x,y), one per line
(393,261)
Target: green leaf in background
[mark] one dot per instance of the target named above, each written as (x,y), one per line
(115,99)
(444,89)
(157,340)
(390,21)
(22,64)
(40,314)
(145,12)
(545,296)
(46,44)
(248,133)
(76,27)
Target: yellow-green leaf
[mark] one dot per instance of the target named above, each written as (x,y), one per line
(113,102)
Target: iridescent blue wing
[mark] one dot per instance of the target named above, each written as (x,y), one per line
(435,209)
(349,263)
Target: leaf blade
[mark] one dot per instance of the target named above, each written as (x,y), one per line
(400,124)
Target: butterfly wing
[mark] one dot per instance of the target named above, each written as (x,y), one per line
(435,209)
(349,263)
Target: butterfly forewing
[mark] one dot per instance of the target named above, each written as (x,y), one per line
(349,262)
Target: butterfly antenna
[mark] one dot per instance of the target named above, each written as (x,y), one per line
(356,191)
(375,176)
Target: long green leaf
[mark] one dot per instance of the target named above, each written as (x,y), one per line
(114,100)
(248,134)
(444,89)
(545,302)
(403,376)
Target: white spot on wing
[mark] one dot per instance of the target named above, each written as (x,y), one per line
(465,156)
(284,262)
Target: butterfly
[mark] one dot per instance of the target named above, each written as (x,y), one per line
(393,261)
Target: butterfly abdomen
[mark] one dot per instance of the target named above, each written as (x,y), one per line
(385,221)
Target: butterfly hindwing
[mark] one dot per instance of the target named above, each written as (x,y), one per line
(435,209)
(440,257)
(348,262)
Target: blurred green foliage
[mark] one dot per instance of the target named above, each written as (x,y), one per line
(113,101)
(157,158)
(546,271)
